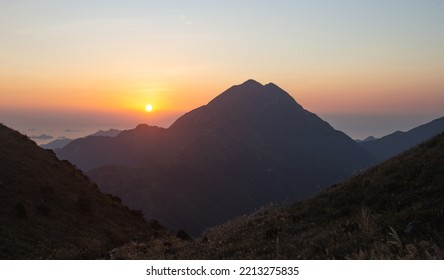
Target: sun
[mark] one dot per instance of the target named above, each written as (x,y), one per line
(149,107)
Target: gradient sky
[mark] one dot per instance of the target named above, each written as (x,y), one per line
(367,67)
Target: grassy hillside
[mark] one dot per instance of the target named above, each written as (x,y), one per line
(50,210)
(393,211)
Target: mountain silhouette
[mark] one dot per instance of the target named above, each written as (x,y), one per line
(129,147)
(251,145)
(51,210)
(391,211)
(397,142)
(368,139)
(58,144)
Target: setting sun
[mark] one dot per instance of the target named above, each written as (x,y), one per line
(149,107)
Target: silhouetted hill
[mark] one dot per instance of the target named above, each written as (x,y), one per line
(60,143)
(399,141)
(129,147)
(392,211)
(50,210)
(250,145)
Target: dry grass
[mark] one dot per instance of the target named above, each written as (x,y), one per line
(367,222)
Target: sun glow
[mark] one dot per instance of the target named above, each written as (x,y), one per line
(149,107)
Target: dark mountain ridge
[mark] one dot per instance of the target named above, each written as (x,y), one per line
(250,145)
(397,142)
(129,147)
(110,132)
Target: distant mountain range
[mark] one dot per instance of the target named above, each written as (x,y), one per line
(391,211)
(51,210)
(62,142)
(251,145)
(370,138)
(397,142)
(109,133)
(57,144)
(127,148)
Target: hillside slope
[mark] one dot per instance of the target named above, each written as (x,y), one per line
(50,210)
(392,211)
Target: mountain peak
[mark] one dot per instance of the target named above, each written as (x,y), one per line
(272,85)
(251,82)
(248,86)
(250,101)
(252,93)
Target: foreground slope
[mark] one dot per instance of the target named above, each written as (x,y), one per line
(395,210)
(397,142)
(251,145)
(49,209)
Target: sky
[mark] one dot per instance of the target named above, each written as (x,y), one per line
(367,67)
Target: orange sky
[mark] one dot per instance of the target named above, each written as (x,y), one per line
(113,58)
